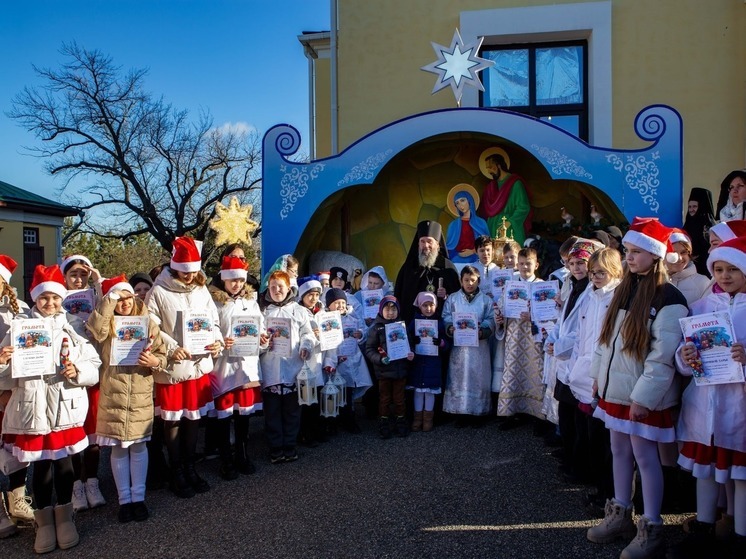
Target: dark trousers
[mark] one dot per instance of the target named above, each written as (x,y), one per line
(281,420)
(600,461)
(391,391)
(49,475)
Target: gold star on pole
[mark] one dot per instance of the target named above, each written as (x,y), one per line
(233,223)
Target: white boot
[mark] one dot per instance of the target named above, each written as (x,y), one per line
(7,527)
(648,542)
(19,505)
(617,523)
(80,501)
(93,493)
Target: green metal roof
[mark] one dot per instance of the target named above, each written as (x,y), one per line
(14,197)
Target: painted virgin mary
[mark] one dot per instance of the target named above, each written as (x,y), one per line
(462,203)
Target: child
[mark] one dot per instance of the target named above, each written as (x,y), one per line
(312,425)
(510,255)
(468,386)
(425,377)
(183,392)
(349,362)
(559,344)
(711,425)
(125,417)
(522,391)
(375,278)
(633,366)
(46,414)
(79,272)
(484,248)
(391,375)
(339,280)
(235,380)
(279,391)
(510,252)
(19,505)
(683,274)
(721,232)
(324,277)
(288,264)
(605,273)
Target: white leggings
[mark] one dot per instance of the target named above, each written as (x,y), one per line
(424,401)
(130,469)
(708,491)
(626,450)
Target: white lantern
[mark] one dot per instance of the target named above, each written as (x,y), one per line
(329,400)
(306,385)
(339,381)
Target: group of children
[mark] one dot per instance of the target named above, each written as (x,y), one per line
(608,372)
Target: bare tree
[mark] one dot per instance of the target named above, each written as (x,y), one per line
(146,166)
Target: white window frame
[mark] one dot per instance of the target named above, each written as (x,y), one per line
(560,22)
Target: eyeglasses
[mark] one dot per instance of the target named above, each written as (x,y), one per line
(600,274)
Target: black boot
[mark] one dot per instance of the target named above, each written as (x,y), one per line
(699,542)
(179,484)
(243,463)
(228,469)
(199,484)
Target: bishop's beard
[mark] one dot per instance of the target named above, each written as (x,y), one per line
(428,260)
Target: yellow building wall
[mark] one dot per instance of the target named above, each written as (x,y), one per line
(322,109)
(689,54)
(11,244)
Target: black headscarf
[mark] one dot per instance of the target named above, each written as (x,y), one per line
(724,190)
(697,226)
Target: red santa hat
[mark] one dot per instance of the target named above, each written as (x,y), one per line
(7,267)
(48,279)
(679,236)
(651,235)
(727,230)
(72,258)
(732,251)
(325,275)
(186,255)
(233,268)
(118,283)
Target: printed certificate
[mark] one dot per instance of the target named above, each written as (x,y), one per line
(131,339)
(515,297)
(79,302)
(330,329)
(245,331)
(397,344)
(279,331)
(543,303)
(465,329)
(426,329)
(33,347)
(712,334)
(371,300)
(498,278)
(198,331)
(350,325)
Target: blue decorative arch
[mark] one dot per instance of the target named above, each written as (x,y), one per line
(644,182)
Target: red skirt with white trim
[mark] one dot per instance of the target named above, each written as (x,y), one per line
(243,400)
(52,446)
(705,461)
(94,392)
(657,426)
(190,399)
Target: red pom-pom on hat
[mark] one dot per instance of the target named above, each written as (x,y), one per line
(186,255)
(233,268)
(48,279)
(118,283)
(7,267)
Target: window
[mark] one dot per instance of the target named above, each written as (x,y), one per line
(546,80)
(30,236)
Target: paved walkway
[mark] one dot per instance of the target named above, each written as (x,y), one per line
(450,493)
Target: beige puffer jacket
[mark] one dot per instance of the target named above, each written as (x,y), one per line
(125,407)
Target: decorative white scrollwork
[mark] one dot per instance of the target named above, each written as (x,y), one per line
(561,164)
(641,175)
(366,169)
(294,184)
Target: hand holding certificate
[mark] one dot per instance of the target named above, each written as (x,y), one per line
(426,330)
(131,339)
(197,332)
(543,300)
(713,337)
(279,331)
(397,344)
(331,334)
(33,347)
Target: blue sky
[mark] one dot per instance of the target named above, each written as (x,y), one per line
(239,59)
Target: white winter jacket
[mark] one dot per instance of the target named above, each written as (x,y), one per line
(592,311)
(715,414)
(40,405)
(564,336)
(650,383)
(692,285)
(166,302)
